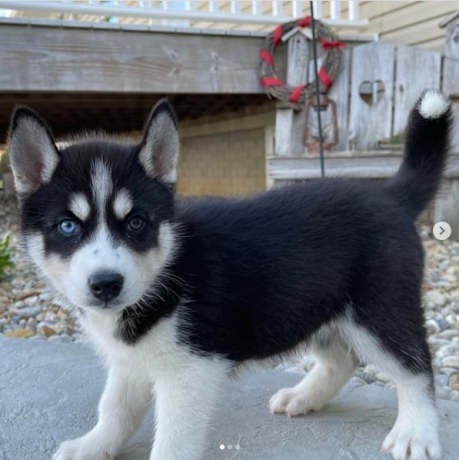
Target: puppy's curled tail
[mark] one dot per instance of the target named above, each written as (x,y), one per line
(426,149)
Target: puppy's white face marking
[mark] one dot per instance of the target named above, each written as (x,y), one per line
(70,276)
(80,206)
(100,256)
(102,186)
(122,205)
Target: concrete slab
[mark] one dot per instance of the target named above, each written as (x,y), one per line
(49,393)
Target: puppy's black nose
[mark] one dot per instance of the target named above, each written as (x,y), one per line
(106,286)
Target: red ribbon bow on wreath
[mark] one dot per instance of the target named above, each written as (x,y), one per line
(326,45)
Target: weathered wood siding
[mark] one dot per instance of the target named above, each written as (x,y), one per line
(417,69)
(401,22)
(370,122)
(406,23)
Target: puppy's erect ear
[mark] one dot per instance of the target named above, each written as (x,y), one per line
(160,144)
(32,151)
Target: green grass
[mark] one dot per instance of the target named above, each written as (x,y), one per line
(6,251)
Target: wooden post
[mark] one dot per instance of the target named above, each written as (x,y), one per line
(289,118)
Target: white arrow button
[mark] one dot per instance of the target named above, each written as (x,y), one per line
(442,231)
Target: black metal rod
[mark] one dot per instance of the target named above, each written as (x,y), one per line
(316,71)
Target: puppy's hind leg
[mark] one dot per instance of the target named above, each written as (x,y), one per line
(335,365)
(401,352)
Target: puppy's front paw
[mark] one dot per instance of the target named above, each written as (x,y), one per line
(81,449)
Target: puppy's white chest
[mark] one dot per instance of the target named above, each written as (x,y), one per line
(157,352)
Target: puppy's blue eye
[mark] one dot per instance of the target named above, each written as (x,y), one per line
(68,227)
(135,224)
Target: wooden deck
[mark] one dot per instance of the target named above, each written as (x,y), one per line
(47,58)
(85,75)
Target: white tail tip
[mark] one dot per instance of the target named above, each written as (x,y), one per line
(433,104)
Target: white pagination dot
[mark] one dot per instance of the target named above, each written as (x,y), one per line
(237,446)
(222,446)
(230,447)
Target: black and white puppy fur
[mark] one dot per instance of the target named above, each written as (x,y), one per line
(175,294)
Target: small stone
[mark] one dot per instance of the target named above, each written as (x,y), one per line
(29,312)
(436,344)
(31,300)
(18,283)
(447,350)
(453,382)
(51,316)
(22,322)
(19,305)
(32,324)
(444,324)
(369,377)
(454,396)
(451,361)
(449,334)
(435,298)
(20,333)
(451,319)
(46,331)
(432,327)
(62,313)
(66,330)
(6,286)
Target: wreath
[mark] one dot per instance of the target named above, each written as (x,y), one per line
(327,74)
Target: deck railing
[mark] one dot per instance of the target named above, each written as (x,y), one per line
(230,14)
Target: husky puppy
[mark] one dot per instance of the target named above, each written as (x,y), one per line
(177,293)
